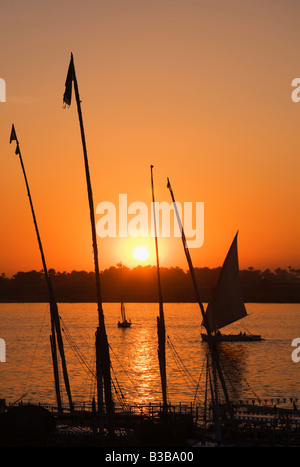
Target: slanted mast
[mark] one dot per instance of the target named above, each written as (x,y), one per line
(56,336)
(102,348)
(213,349)
(161,329)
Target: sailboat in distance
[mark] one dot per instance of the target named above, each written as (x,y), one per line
(227,305)
(124,323)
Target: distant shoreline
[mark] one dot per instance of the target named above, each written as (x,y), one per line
(139,285)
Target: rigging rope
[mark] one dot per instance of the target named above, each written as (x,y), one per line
(88,368)
(77,351)
(186,374)
(120,394)
(240,373)
(34,353)
(91,379)
(126,372)
(198,384)
(228,378)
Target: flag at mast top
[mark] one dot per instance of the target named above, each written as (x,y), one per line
(13,137)
(70,78)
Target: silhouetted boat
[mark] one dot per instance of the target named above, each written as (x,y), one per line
(227,305)
(124,323)
(227,428)
(218,337)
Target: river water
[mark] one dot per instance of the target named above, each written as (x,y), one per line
(262,369)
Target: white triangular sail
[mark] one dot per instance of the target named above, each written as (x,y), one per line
(227,304)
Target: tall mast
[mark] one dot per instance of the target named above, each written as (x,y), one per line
(213,350)
(161,330)
(55,320)
(102,347)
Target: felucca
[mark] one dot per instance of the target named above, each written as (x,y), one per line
(227,305)
(124,323)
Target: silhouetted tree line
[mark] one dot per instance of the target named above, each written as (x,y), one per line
(140,285)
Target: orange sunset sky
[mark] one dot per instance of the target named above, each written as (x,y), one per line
(201,89)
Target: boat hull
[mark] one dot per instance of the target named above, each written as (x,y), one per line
(124,324)
(232,337)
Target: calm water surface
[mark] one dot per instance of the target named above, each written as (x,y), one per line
(263,369)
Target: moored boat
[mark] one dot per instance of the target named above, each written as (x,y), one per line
(227,305)
(124,323)
(241,337)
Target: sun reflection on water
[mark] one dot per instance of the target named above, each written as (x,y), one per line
(28,370)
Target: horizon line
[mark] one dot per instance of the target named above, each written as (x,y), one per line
(249,268)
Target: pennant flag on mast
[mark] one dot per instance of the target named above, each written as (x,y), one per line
(70,78)
(13,137)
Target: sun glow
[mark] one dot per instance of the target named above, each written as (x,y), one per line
(141,253)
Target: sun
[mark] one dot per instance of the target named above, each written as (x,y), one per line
(141,253)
